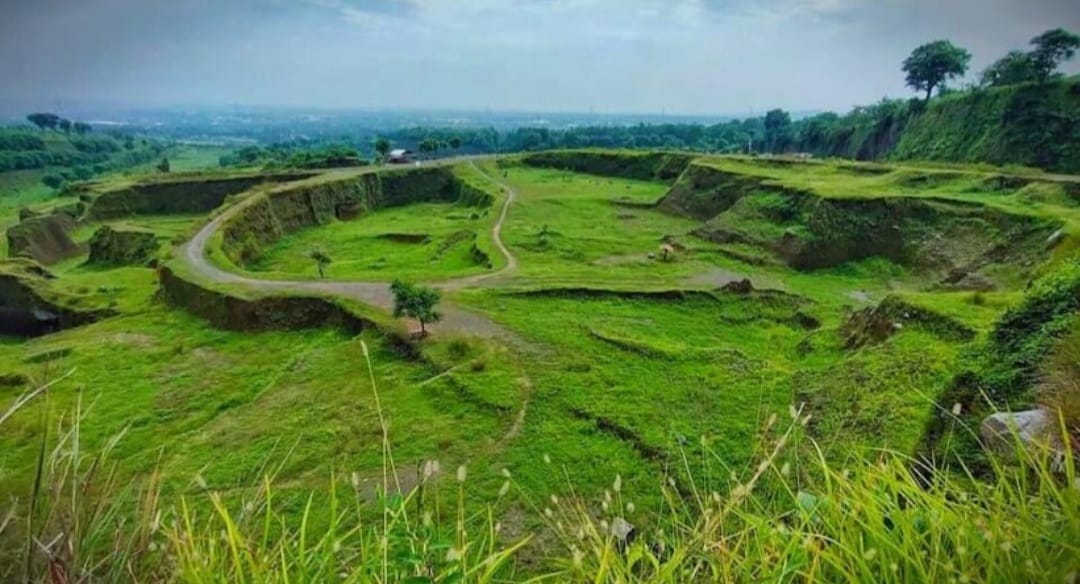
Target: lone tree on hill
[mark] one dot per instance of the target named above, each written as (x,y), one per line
(415,302)
(932,64)
(322,261)
(382,146)
(163,166)
(1053,48)
(44,121)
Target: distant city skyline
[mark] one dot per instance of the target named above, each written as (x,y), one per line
(608,57)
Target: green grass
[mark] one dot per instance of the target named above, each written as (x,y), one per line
(589,237)
(593,385)
(437,245)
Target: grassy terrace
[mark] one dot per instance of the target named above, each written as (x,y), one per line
(613,382)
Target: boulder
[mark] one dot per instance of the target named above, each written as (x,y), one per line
(1036,430)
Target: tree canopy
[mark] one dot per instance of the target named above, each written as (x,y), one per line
(415,302)
(1052,48)
(1015,67)
(932,64)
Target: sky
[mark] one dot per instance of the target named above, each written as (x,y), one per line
(700,57)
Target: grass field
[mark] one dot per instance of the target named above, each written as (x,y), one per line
(428,241)
(616,381)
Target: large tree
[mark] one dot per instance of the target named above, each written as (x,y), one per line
(44,121)
(777,129)
(932,64)
(415,302)
(1053,48)
(1015,67)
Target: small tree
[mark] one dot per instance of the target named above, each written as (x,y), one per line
(429,146)
(65,125)
(1053,48)
(322,261)
(82,128)
(933,64)
(163,166)
(455,142)
(382,146)
(415,302)
(53,181)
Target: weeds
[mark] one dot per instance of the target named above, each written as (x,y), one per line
(873,522)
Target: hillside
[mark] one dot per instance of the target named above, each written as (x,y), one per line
(717,350)
(1034,125)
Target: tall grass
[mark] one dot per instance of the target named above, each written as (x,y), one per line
(786,519)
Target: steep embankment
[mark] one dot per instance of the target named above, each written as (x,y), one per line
(659,166)
(1030,125)
(267,217)
(177,195)
(1035,125)
(958,240)
(29,308)
(47,238)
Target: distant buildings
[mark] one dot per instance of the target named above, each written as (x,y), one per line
(400,156)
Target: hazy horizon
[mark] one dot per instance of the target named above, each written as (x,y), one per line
(638,57)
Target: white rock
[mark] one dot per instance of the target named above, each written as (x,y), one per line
(1036,430)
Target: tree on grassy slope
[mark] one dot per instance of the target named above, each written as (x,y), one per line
(322,261)
(932,64)
(1052,48)
(1015,67)
(416,302)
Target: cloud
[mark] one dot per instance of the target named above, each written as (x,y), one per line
(693,56)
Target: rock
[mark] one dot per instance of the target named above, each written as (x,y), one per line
(741,287)
(110,246)
(1055,238)
(1036,431)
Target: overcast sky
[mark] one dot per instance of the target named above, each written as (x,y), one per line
(624,56)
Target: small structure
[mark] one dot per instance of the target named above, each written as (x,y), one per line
(399,156)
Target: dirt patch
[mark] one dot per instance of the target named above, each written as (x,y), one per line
(623,260)
(137,340)
(715,278)
(876,324)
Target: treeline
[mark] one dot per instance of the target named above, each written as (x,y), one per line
(1021,112)
(294,156)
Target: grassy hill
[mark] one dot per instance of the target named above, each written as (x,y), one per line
(753,414)
(1033,125)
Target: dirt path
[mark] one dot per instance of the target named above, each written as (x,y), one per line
(455,319)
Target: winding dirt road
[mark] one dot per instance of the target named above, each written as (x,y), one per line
(377,294)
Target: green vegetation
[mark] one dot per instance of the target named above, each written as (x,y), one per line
(931,65)
(416,302)
(656,317)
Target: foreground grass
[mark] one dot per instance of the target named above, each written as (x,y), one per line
(780,518)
